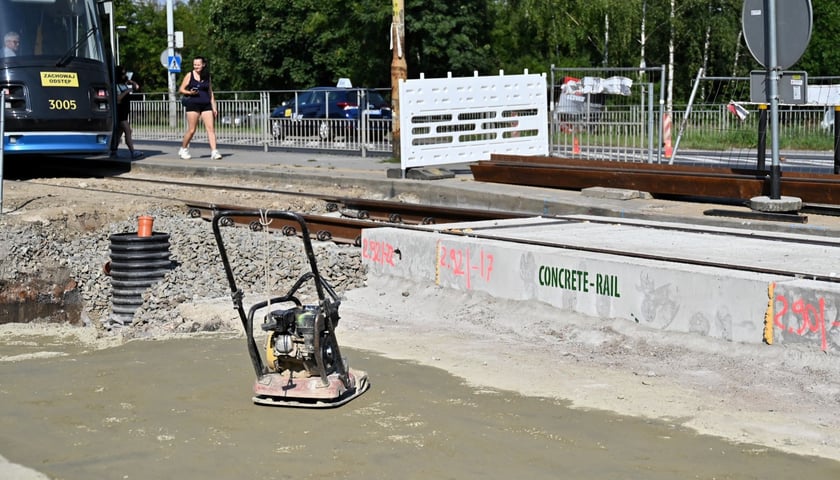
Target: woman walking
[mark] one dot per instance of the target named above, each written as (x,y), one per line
(200,103)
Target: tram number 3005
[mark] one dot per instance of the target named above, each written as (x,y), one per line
(59,104)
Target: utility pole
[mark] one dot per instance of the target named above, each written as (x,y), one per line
(669,105)
(170,47)
(606,39)
(642,39)
(399,70)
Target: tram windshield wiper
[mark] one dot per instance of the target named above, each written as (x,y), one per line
(69,54)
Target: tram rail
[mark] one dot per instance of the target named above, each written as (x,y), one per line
(355,214)
(349,231)
(657,179)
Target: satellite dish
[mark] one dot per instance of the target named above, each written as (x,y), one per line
(794,21)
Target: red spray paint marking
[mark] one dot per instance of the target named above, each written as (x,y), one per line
(811,318)
(461,263)
(378,252)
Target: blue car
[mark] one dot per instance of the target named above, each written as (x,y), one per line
(331,112)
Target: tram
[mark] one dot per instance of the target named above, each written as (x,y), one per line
(55,76)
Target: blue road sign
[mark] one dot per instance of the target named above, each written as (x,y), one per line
(174,64)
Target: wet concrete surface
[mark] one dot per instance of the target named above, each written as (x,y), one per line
(182,409)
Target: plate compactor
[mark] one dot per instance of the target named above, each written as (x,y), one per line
(303,366)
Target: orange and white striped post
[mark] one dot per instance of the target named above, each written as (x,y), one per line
(575,145)
(666,134)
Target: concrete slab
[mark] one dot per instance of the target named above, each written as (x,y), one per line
(680,278)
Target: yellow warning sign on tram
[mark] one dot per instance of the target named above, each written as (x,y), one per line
(59,79)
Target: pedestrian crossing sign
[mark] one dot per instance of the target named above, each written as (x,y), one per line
(175,64)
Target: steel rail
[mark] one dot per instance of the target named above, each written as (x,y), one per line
(687,181)
(348,230)
(342,230)
(321,227)
(416,214)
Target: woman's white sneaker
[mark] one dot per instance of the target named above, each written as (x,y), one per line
(215,155)
(184,153)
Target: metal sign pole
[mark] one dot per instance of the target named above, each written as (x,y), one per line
(777,34)
(773,70)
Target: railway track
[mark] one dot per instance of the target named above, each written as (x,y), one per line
(358,208)
(348,231)
(349,215)
(657,179)
(346,218)
(352,215)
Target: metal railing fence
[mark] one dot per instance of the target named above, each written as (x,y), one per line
(726,118)
(245,119)
(709,120)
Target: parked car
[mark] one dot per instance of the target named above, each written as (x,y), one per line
(238,116)
(241,120)
(330,112)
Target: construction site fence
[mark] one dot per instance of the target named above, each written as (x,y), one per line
(628,120)
(633,128)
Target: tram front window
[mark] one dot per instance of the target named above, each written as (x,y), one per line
(58,28)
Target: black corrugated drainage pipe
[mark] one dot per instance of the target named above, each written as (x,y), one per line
(137,262)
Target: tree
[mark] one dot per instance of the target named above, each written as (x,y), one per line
(448,37)
(142,42)
(294,44)
(822,55)
(284,44)
(145,38)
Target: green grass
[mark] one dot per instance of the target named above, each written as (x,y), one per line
(737,138)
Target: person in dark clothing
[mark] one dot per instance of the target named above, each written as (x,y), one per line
(124,88)
(200,103)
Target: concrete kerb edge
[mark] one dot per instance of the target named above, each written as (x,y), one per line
(428,192)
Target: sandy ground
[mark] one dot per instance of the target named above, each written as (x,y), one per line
(771,396)
(774,396)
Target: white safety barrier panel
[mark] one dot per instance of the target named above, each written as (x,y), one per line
(465,119)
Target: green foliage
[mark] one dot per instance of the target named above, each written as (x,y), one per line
(822,56)
(293,44)
(448,37)
(142,42)
(284,44)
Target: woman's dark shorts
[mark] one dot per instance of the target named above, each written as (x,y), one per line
(199,107)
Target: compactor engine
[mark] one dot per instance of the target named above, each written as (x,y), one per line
(292,340)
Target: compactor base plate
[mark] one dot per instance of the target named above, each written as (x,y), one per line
(283,390)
